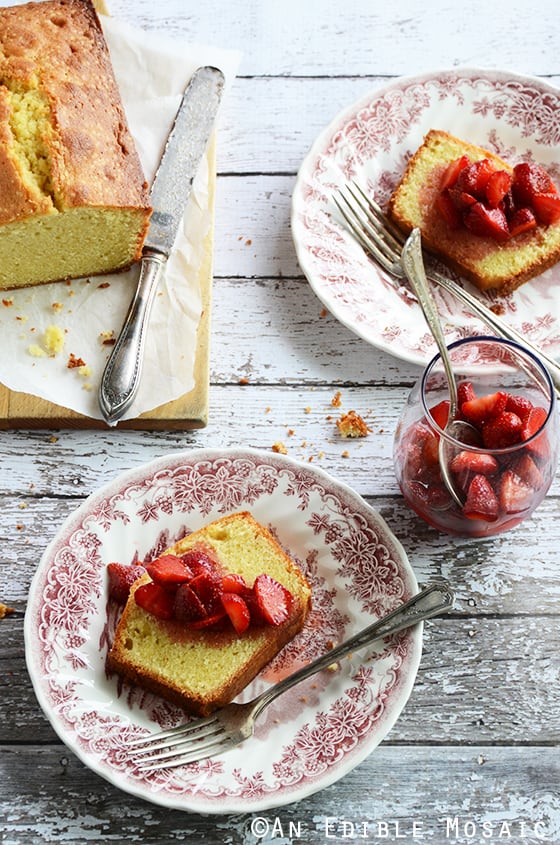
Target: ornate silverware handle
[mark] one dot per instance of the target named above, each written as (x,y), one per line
(499,326)
(121,377)
(433,600)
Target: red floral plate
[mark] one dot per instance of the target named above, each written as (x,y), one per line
(372,140)
(308,738)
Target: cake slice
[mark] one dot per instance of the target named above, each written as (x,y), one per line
(494,250)
(202,666)
(73,198)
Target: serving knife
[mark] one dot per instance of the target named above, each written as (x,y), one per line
(184,149)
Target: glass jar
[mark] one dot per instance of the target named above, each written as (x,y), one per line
(508,397)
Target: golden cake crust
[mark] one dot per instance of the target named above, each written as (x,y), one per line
(486,263)
(202,670)
(59,46)
(70,176)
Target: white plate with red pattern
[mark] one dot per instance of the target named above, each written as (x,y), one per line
(371,141)
(308,738)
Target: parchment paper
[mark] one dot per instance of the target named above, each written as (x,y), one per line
(152,72)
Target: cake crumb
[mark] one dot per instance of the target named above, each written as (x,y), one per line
(336,401)
(74,362)
(53,340)
(346,454)
(57,306)
(279,448)
(352,425)
(7,303)
(36,351)
(5,610)
(107,338)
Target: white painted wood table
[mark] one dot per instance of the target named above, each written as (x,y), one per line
(475,756)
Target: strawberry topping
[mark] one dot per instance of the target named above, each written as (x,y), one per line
(121,578)
(273,599)
(193,590)
(495,203)
(155,599)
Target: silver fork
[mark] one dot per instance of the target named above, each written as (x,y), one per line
(234,723)
(383,242)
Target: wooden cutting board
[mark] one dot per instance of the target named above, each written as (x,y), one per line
(21,410)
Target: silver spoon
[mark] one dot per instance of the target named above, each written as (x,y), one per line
(463,432)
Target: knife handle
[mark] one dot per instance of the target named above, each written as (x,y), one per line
(121,377)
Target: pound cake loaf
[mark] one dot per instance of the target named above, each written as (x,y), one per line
(73,197)
(498,233)
(201,662)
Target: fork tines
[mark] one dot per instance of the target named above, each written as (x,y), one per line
(191,742)
(370,226)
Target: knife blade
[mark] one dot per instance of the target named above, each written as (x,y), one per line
(169,195)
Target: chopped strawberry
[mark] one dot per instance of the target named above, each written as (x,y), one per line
(448,210)
(430,451)
(440,413)
(547,207)
(452,172)
(197,560)
(476,462)
(460,199)
(273,599)
(497,187)
(155,599)
(487,222)
(212,620)
(534,421)
(233,583)
(483,408)
(208,587)
(502,431)
(474,177)
(529,180)
(527,470)
(433,496)
(169,570)
(520,405)
(121,578)
(465,392)
(187,606)
(237,610)
(522,220)
(481,502)
(514,494)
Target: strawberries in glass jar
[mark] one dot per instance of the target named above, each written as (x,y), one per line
(501,479)
(497,203)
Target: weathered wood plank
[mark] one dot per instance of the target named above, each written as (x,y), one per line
(297,39)
(450,795)
(74,463)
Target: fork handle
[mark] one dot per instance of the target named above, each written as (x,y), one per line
(431,601)
(499,326)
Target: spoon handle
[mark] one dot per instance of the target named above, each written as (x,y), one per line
(413,265)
